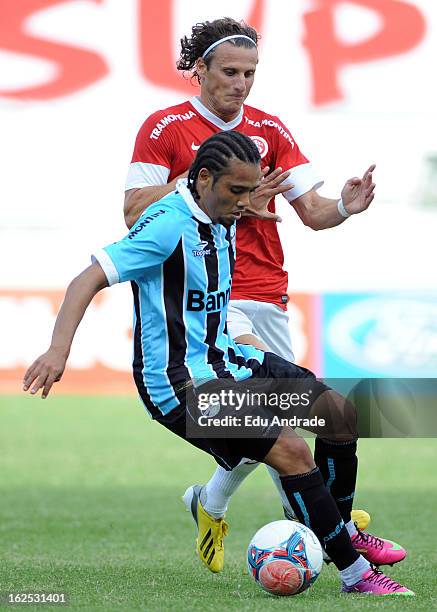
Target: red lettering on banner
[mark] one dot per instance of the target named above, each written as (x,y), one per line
(158,63)
(76,68)
(403,28)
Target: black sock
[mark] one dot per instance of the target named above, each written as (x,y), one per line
(338,464)
(315,507)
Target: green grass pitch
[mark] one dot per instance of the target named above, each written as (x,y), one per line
(90,504)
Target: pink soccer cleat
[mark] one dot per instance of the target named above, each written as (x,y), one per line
(376,550)
(374,582)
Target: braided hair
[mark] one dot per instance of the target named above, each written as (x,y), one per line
(217,151)
(208,32)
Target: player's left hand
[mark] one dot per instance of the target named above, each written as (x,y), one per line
(45,371)
(271,186)
(358,193)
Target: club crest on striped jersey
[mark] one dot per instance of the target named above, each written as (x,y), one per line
(261,144)
(201,249)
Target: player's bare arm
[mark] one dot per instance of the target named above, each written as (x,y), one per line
(137,200)
(49,367)
(319,213)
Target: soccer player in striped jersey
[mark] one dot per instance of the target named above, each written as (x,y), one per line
(179,257)
(223,56)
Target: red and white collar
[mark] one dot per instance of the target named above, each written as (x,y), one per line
(205,112)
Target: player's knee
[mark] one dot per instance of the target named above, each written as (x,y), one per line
(290,455)
(339,415)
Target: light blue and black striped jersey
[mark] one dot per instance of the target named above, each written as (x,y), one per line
(180,265)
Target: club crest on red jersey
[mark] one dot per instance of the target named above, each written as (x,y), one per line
(262,145)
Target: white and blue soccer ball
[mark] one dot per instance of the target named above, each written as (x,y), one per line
(284,557)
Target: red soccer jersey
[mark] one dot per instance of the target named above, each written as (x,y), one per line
(165,148)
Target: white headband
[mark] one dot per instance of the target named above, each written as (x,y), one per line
(222,40)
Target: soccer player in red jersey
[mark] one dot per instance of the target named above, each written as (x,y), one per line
(223,56)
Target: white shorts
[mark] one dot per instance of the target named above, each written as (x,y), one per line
(267,321)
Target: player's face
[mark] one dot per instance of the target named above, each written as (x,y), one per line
(225,85)
(225,200)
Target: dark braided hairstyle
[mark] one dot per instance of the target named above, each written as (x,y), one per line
(208,32)
(217,151)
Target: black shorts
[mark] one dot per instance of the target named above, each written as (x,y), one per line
(230,446)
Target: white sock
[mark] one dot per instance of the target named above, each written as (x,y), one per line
(353,574)
(351,529)
(275,477)
(217,492)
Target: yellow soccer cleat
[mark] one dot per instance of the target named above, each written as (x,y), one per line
(211,531)
(361,518)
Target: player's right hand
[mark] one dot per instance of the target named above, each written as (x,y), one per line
(270,187)
(45,371)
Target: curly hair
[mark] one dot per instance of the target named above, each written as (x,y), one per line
(217,151)
(208,32)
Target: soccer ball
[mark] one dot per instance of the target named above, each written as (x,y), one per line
(284,557)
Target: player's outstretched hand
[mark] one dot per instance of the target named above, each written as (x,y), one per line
(358,193)
(271,186)
(45,371)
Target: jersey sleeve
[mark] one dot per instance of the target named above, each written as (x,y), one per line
(289,157)
(149,243)
(151,158)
